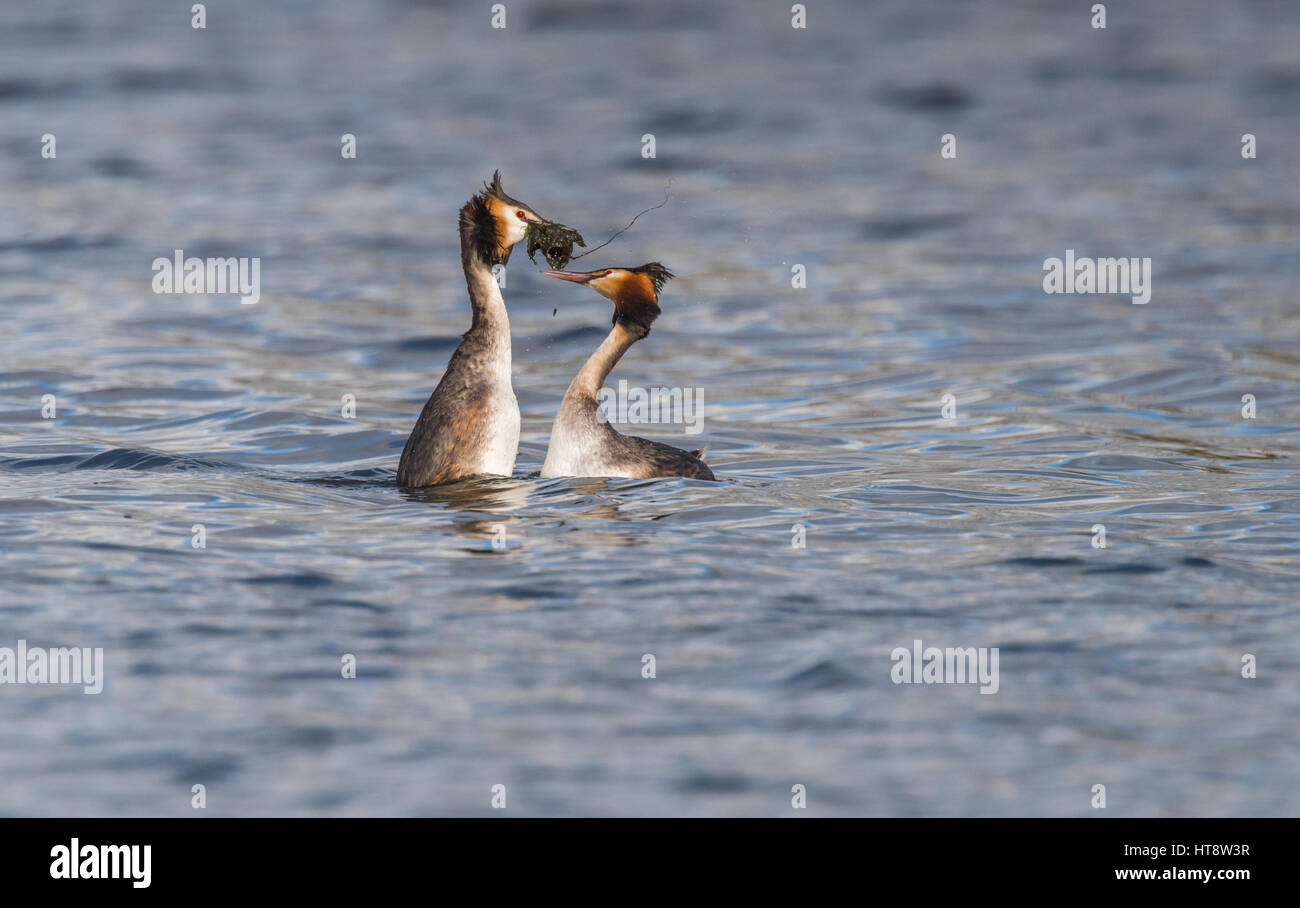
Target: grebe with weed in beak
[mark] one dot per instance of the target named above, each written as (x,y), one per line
(470,425)
(582,442)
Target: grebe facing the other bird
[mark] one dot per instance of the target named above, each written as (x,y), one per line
(470,424)
(584,444)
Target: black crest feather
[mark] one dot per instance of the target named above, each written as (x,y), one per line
(658,274)
(494,188)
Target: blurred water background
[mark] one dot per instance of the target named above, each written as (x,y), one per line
(522,666)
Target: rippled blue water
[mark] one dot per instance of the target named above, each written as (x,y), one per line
(522,666)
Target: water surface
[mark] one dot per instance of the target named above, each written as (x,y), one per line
(522,665)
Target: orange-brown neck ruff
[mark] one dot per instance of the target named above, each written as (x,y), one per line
(500,211)
(635,306)
(481,236)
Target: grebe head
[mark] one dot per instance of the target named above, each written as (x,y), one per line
(494,222)
(635,291)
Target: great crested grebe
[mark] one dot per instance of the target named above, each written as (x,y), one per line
(584,444)
(470,425)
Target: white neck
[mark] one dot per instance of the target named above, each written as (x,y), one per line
(596,369)
(489,306)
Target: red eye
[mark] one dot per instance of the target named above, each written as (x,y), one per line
(520,214)
(607,274)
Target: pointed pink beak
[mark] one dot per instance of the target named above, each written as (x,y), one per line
(578,277)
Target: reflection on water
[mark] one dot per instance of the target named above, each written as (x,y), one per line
(500,626)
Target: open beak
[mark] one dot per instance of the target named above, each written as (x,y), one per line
(578,277)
